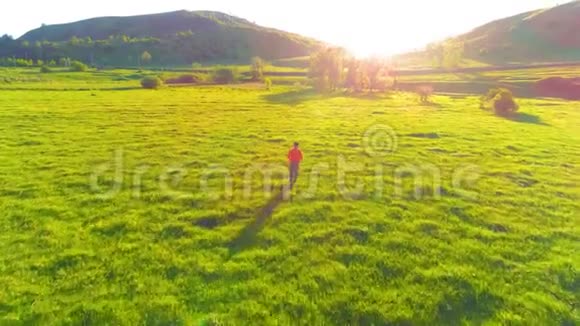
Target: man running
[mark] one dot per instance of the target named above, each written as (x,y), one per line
(294,159)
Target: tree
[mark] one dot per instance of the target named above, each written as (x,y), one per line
(453,53)
(6,38)
(371,74)
(74,41)
(435,52)
(326,68)
(374,69)
(64,62)
(257,69)
(146,57)
(447,54)
(353,76)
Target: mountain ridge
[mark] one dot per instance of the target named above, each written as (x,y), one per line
(176,25)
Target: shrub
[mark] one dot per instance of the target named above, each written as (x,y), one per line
(268,83)
(45,69)
(184,79)
(151,82)
(425,92)
(502,101)
(224,76)
(78,66)
(487,98)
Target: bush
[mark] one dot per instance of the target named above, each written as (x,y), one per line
(151,82)
(425,92)
(268,83)
(504,103)
(501,100)
(78,66)
(45,69)
(224,76)
(184,79)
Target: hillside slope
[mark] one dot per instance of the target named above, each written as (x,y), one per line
(178,37)
(536,36)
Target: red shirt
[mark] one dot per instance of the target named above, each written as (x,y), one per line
(295,155)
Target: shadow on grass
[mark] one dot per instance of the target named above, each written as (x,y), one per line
(375,95)
(247,237)
(472,87)
(527,118)
(455,96)
(430,104)
(293,97)
(296,97)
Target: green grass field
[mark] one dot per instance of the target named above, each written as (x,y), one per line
(521,82)
(116,208)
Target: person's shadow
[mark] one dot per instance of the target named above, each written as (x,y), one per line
(247,236)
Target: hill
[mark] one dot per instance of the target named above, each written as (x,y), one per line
(536,36)
(540,36)
(179,37)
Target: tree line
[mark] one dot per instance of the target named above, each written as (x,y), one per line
(332,68)
(177,49)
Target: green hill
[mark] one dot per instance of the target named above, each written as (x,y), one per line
(540,36)
(175,38)
(536,36)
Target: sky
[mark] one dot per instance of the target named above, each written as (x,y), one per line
(364,27)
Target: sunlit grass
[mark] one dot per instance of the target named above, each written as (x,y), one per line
(166,251)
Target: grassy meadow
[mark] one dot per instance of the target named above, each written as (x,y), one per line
(116,206)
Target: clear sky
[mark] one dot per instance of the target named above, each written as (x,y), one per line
(365,27)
